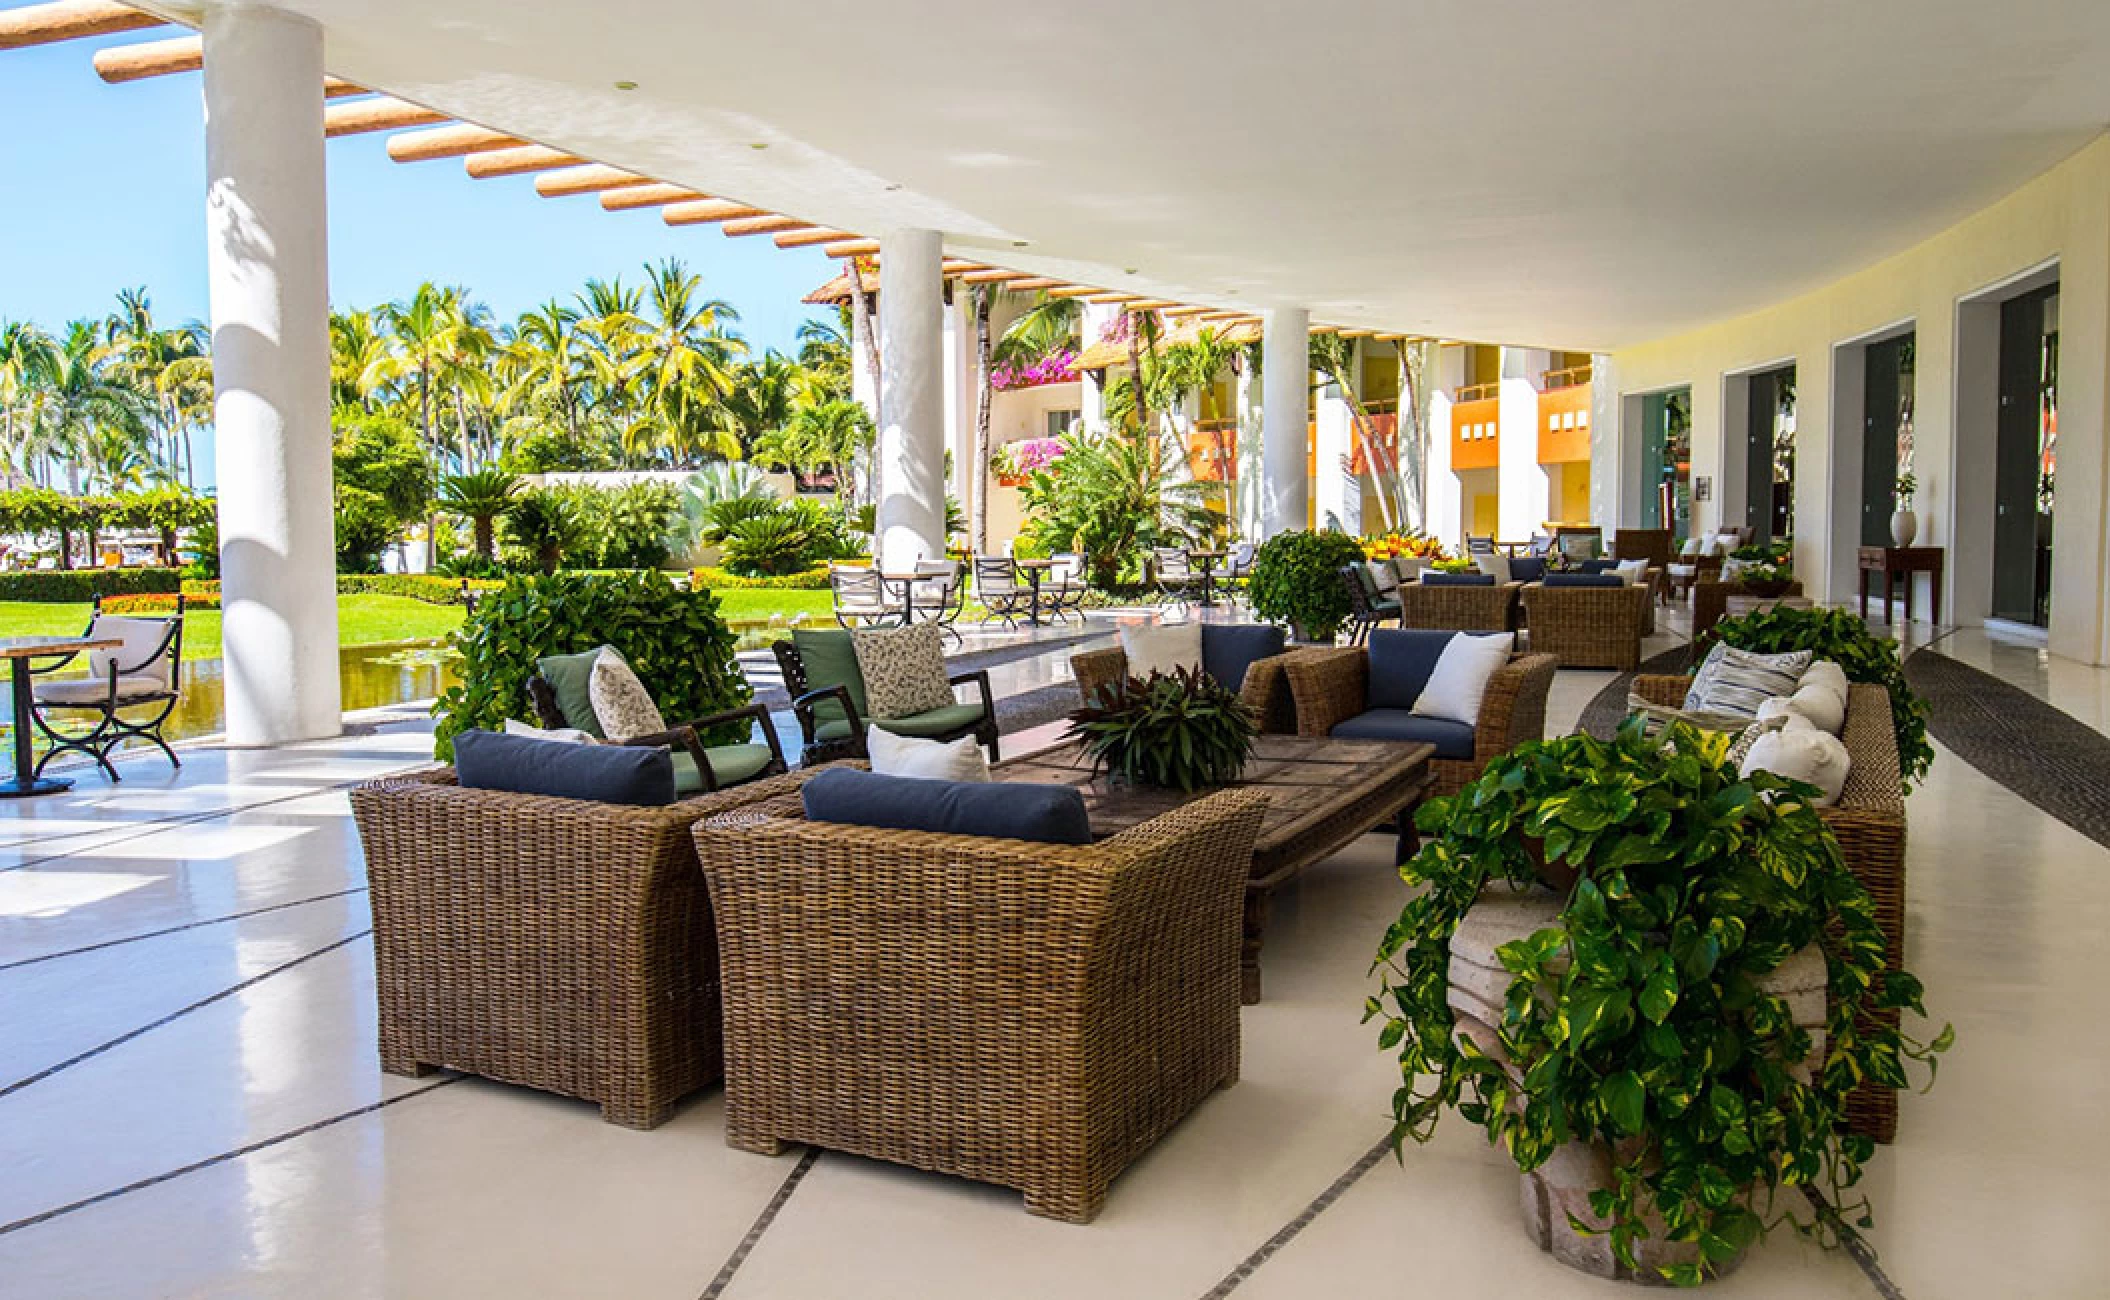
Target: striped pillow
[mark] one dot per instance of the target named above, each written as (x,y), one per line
(1738,681)
(1657,718)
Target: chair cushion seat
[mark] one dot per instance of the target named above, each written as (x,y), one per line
(1229,649)
(731,764)
(1451,739)
(94,690)
(937,722)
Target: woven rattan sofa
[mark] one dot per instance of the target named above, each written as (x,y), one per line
(1329,687)
(1031,1015)
(555,943)
(1457,607)
(1265,690)
(1869,821)
(1587,627)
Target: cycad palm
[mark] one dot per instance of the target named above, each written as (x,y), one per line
(480,497)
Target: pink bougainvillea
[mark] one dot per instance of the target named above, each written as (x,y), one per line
(1053,368)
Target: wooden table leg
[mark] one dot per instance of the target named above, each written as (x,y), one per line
(1864,595)
(1934,576)
(1258,904)
(1890,578)
(1909,585)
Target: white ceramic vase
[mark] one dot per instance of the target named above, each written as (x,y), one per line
(1904,526)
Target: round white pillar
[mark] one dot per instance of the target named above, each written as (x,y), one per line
(911,400)
(267,262)
(1285,432)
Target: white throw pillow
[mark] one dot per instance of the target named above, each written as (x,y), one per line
(1830,676)
(1631,572)
(1498,565)
(1692,547)
(1781,709)
(563,735)
(1460,679)
(1820,706)
(1162,647)
(621,704)
(932,760)
(1801,755)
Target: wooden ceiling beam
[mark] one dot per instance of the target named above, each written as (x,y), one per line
(517,162)
(380,113)
(852,248)
(769,223)
(179,54)
(455,141)
(1074,291)
(69,20)
(1035,283)
(995,275)
(592,178)
(657,194)
(702,212)
(1358,334)
(1103,296)
(1152,304)
(808,238)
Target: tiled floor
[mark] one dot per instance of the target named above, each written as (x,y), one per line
(190,1105)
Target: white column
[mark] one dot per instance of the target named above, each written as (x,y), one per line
(1340,489)
(1285,497)
(1249,454)
(1092,323)
(961,384)
(267,260)
(911,400)
(1525,490)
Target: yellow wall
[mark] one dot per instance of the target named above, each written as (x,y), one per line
(2062,215)
(1571,491)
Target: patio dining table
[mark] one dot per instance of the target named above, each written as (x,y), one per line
(20,650)
(1207,561)
(1034,571)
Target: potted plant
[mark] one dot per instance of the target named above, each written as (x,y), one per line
(1182,731)
(1904,525)
(1296,580)
(1637,1047)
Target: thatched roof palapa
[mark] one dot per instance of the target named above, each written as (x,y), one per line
(1100,356)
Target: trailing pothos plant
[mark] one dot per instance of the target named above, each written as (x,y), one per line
(1839,636)
(1636,1020)
(1180,730)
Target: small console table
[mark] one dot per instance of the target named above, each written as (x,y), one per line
(1891,561)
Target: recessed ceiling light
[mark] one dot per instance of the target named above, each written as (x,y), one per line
(1021,243)
(759,144)
(1128,270)
(626,85)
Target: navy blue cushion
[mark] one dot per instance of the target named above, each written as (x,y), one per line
(1438,578)
(1527,568)
(1228,649)
(1046,814)
(1451,739)
(1584,580)
(1401,660)
(626,774)
(1596,566)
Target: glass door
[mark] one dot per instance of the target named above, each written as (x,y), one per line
(1769,470)
(1666,462)
(2026,457)
(1886,444)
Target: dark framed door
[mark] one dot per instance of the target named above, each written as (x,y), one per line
(2021,464)
(1885,392)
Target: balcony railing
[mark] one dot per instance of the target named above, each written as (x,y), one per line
(1569,378)
(1477,392)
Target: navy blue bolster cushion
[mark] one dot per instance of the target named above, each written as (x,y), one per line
(1045,814)
(1584,580)
(640,775)
(1597,566)
(1228,649)
(1438,578)
(1526,568)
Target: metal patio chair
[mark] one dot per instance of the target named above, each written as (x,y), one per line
(141,673)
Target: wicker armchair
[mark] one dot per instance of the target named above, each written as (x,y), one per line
(1710,602)
(1869,821)
(553,943)
(826,739)
(1328,687)
(1652,544)
(1587,627)
(1030,1015)
(1455,607)
(1265,689)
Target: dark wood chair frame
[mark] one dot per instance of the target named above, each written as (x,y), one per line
(815,750)
(687,737)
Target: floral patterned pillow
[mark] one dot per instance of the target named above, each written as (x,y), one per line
(903,668)
(621,704)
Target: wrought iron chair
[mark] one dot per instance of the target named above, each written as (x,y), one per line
(1173,573)
(140,673)
(1479,545)
(860,596)
(1366,608)
(996,585)
(1062,588)
(938,595)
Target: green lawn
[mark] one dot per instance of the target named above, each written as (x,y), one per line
(361,620)
(742,606)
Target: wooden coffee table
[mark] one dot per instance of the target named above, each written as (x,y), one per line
(1322,796)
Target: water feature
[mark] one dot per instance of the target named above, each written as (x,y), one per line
(372,676)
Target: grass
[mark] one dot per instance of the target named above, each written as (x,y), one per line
(361,620)
(750,605)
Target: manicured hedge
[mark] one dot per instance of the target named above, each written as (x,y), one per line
(79,586)
(813,579)
(430,588)
(160,604)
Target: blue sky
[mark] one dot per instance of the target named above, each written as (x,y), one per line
(104,191)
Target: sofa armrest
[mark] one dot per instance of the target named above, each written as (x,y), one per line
(1266,693)
(979,679)
(1513,711)
(1666,689)
(1329,687)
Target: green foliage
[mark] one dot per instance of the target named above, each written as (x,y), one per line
(480,497)
(1837,635)
(71,586)
(1296,580)
(543,524)
(1634,1021)
(813,579)
(1108,496)
(765,537)
(1906,487)
(204,549)
(383,482)
(430,588)
(1181,731)
(626,527)
(674,640)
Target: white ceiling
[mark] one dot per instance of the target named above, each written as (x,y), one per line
(1569,175)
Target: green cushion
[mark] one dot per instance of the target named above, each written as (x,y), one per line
(830,659)
(571,678)
(953,717)
(731,764)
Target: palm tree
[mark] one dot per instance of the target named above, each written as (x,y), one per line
(86,417)
(687,363)
(611,319)
(825,359)
(480,497)
(27,355)
(829,435)
(1334,357)
(550,361)
(1048,326)
(984,303)
(417,328)
(763,395)
(357,349)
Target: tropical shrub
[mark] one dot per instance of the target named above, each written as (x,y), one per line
(383,482)
(813,579)
(1296,580)
(1109,497)
(1632,1021)
(158,604)
(77,586)
(674,640)
(1182,731)
(1836,635)
(541,527)
(626,527)
(433,589)
(481,498)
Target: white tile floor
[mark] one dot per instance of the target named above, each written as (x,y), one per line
(190,1104)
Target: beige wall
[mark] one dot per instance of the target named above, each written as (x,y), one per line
(2062,217)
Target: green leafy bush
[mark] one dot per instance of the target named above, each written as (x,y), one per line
(1837,635)
(1182,731)
(1633,1021)
(1111,497)
(383,482)
(674,640)
(1296,580)
(813,579)
(542,525)
(433,589)
(77,586)
(771,538)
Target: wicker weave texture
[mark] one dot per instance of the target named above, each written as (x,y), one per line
(1265,690)
(1030,1015)
(1587,627)
(554,943)
(1869,823)
(1459,608)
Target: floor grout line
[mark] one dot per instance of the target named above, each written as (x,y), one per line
(761,1225)
(187,925)
(223,994)
(225,1156)
(1288,1232)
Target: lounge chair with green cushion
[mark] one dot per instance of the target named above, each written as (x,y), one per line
(559,691)
(828,698)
